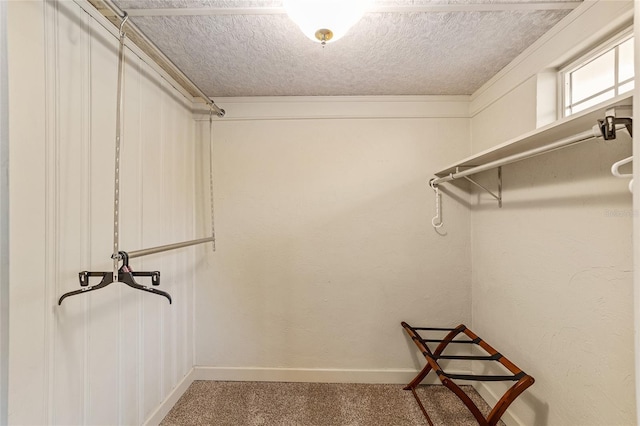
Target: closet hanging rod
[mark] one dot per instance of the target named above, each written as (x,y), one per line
(159,249)
(587,135)
(115,15)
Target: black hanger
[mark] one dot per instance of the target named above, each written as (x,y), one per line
(125,275)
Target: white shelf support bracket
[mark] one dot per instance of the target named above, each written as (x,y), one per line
(498,197)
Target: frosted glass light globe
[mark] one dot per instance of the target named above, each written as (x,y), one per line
(326,20)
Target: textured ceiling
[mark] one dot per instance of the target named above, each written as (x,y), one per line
(415,53)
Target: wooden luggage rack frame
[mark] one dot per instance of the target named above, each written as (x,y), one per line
(521,379)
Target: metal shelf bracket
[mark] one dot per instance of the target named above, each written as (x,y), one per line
(498,197)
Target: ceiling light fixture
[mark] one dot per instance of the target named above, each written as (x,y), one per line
(325,20)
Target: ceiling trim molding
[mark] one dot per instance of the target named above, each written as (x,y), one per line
(339,107)
(473,7)
(341,99)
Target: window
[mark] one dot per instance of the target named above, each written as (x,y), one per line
(602,74)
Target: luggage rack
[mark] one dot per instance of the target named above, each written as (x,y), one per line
(521,379)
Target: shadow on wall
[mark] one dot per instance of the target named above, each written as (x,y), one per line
(540,408)
(528,401)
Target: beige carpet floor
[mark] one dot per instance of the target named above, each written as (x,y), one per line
(318,404)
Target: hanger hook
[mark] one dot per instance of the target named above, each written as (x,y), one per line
(436,222)
(125,258)
(125,18)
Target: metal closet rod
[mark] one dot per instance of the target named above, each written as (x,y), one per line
(156,54)
(562,143)
(168,247)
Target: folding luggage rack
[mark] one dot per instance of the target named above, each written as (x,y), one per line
(521,379)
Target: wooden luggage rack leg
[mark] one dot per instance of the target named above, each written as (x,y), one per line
(521,379)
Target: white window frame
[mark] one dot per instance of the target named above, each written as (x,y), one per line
(564,74)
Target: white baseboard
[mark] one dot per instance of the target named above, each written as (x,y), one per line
(488,395)
(165,406)
(311,375)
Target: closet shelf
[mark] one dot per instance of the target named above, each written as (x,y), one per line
(560,129)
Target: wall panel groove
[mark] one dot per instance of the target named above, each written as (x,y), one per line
(162,208)
(85,192)
(52,267)
(139,239)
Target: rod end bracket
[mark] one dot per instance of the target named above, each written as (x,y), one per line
(608,126)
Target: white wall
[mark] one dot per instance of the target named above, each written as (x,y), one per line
(513,115)
(552,269)
(110,356)
(325,241)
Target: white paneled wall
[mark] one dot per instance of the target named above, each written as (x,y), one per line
(110,356)
(4,216)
